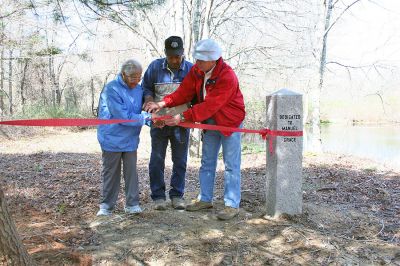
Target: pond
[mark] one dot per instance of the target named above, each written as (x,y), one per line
(380,143)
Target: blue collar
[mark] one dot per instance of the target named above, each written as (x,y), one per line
(121,81)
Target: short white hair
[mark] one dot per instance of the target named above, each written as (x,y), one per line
(131,66)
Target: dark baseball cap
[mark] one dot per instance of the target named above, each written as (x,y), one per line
(173,46)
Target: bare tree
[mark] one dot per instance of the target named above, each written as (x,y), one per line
(25,64)
(315,101)
(10,83)
(126,14)
(2,91)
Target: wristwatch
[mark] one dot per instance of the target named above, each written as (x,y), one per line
(182,117)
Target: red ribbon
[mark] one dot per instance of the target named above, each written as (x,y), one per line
(63,122)
(271,134)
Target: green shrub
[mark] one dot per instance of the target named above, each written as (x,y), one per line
(255,114)
(40,111)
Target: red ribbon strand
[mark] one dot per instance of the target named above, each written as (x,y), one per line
(71,122)
(63,122)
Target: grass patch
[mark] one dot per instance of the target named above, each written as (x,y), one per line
(61,208)
(251,148)
(370,170)
(38,168)
(40,111)
(325,122)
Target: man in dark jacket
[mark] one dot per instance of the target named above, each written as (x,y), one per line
(220,102)
(162,77)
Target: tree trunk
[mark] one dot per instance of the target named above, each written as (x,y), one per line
(2,107)
(206,25)
(195,136)
(10,92)
(2,91)
(196,20)
(12,251)
(56,83)
(92,92)
(58,92)
(183,15)
(42,87)
(23,99)
(51,74)
(315,133)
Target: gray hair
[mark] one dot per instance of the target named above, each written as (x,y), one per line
(131,66)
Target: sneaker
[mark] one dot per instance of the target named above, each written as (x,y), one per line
(197,205)
(160,205)
(103,212)
(227,213)
(178,203)
(133,209)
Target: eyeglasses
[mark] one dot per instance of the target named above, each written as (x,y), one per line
(133,77)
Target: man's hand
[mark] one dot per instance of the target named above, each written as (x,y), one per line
(147,99)
(175,120)
(151,107)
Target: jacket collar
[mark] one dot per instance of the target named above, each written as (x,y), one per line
(121,81)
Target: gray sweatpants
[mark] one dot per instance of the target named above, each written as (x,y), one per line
(111,175)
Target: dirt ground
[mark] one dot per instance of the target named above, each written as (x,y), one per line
(351,212)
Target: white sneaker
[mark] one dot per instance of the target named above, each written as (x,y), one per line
(133,209)
(103,212)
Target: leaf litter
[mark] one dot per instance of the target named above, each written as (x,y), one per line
(52,181)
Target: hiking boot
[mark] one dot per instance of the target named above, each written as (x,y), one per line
(227,213)
(133,209)
(197,205)
(103,212)
(178,203)
(160,205)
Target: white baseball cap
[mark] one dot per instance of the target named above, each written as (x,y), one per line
(207,50)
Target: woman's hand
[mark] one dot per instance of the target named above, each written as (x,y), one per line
(156,122)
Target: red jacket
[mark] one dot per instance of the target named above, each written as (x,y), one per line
(223,102)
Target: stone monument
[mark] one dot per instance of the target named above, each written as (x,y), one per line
(284,160)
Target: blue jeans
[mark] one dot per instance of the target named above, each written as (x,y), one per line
(179,138)
(231,151)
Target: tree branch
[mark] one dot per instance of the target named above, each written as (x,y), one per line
(341,14)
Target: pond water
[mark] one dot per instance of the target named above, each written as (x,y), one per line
(380,143)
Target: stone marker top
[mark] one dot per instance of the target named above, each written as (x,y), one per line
(285,92)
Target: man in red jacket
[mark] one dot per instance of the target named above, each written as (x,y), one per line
(220,102)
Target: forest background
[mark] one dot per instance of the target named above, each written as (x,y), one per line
(343,56)
(56,56)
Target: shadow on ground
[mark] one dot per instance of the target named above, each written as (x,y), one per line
(350,217)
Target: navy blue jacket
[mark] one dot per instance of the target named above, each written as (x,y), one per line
(158,72)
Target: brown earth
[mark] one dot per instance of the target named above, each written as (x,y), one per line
(52,181)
